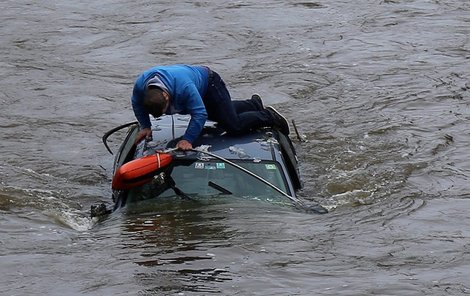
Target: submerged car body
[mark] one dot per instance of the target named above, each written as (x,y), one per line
(261,164)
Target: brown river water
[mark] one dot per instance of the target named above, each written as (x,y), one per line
(380,89)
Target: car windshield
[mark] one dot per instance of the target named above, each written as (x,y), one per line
(210,178)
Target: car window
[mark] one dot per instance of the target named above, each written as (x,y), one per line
(208,178)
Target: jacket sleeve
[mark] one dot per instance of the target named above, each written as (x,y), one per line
(195,107)
(137,101)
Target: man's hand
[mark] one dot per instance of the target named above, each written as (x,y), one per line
(145,133)
(184,145)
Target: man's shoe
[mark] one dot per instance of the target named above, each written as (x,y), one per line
(280,121)
(257,101)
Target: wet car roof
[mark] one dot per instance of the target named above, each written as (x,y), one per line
(251,146)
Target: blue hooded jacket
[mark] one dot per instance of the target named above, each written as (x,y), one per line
(186,85)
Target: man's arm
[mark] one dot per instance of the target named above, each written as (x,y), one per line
(142,116)
(195,107)
(137,101)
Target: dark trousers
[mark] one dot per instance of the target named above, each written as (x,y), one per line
(235,117)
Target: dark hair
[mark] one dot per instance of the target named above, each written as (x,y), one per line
(154,101)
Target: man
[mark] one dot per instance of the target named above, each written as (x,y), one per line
(200,92)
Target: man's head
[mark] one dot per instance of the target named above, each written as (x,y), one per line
(156,101)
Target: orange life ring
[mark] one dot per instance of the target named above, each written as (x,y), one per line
(140,171)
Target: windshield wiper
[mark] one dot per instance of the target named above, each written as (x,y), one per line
(171,183)
(218,187)
(297,202)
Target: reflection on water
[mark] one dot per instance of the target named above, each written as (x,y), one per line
(193,246)
(174,245)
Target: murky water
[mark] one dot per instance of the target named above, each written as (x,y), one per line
(380,88)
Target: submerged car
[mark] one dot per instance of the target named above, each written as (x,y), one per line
(259,165)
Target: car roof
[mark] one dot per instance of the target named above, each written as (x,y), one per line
(256,145)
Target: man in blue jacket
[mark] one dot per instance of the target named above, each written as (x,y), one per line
(200,92)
